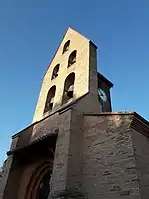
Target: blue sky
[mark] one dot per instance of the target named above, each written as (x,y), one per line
(30,32)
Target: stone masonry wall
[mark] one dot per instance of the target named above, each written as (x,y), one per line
(59,174)
(75,155)
(141,148)
(12,173)
(67,170)
(109,162)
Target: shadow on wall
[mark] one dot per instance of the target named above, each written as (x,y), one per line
(38,130)
(2,170)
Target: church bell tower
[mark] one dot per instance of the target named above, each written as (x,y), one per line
(71,75)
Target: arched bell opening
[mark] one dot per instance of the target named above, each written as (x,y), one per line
(68,88)
(50,99)
(55,71)
(66,47)
(72,58)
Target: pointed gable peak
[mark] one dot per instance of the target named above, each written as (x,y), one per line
(70,34)
(72,30)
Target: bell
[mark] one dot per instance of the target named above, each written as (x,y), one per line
(52,100)
(70,91)
(50,106)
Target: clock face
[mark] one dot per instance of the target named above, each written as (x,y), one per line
(102,95)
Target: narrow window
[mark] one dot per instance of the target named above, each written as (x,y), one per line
(72,58)
(55,71)
(50,99)
(68,88)
(66,46)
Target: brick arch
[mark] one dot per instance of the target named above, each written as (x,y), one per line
(32,177)
(38,174)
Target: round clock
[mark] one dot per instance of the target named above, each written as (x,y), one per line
(102,95)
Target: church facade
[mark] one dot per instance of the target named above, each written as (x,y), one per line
(76,147)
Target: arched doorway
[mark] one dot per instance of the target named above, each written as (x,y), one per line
(39,185)
(44,187)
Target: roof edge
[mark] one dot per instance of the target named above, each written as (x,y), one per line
(109,113)
(105,79)
(91,42)
(138,119)
(138,122)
